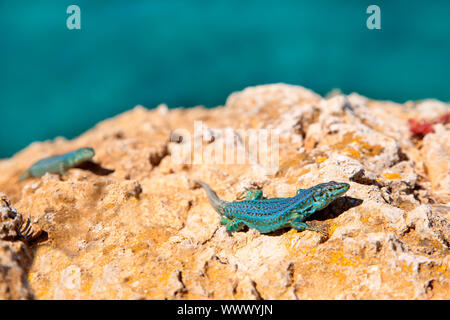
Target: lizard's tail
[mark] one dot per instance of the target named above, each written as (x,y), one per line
(215,201)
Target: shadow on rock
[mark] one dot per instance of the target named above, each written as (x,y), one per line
(95,168)
(336,208)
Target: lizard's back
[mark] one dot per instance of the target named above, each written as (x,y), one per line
(265,215)
(50,164)
(59,163)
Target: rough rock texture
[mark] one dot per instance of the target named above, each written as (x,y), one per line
(146,231)
(15,257)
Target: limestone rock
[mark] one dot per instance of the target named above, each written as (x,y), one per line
(133,225)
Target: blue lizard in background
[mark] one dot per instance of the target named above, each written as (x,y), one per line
(58,164)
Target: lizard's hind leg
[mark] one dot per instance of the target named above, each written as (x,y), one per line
(253,195)
(232,225)
(235,226)
(250,195)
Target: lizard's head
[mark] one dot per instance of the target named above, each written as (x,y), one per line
(323,194)
(86,153)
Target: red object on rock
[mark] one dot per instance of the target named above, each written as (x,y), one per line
(424,127)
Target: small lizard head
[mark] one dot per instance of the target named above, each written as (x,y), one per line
(79,156)
(86,153)
(323,194)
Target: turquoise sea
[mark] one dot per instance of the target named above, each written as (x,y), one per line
(60,82)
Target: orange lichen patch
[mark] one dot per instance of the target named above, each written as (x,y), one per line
(340,278)
(392,176)
(163,278)
(346,140)
(304,171)
(442,269)
(110,206)
(137,246)
(108,252)
(86,285)
(321,159)
(407,268)
(42,292)
(47,260)
(364,149)
(370,150)
(351,153)
(338,257)
(364,219)
(332,229)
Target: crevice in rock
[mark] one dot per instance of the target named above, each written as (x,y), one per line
(290,273)
(255,291)
(156,157)
(361,178)
(305,121)
(182,290)
(210,238)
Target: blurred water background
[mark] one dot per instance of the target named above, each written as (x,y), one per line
(60,82)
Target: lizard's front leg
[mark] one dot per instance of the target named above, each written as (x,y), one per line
(297,224)
(302,214)
(258,194)
(62,169)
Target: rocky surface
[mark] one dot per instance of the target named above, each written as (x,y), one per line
(134,225)
(15,256)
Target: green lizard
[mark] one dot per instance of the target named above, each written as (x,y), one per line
(58,164)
